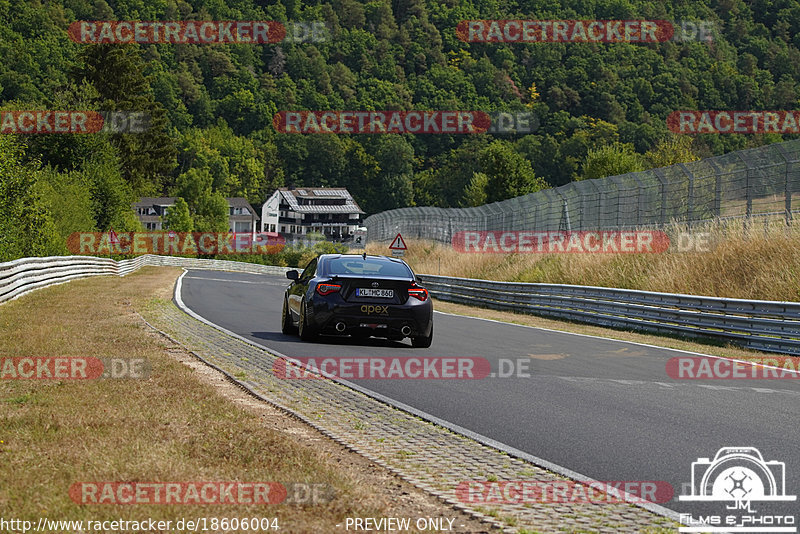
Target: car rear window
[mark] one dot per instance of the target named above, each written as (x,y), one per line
(368,267)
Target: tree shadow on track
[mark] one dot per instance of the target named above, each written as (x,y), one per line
(334,340)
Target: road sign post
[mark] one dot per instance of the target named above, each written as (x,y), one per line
(398,246)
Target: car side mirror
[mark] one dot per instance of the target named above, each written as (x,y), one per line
(292,275)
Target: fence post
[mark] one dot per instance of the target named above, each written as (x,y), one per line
(584,224)
(747,189)
(690,195)
(661,178)
(564,211)
(717,188)
(619,187)
(787,189)
(450,229)
(600,205)
(640,199)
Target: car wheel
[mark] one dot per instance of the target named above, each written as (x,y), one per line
(307,333)
(287,326)
(422,342)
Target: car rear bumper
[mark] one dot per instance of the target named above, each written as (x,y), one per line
(381,320)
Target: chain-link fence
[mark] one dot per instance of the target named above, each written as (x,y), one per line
(755,182)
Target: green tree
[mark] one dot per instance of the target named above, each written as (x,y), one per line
(240,166)
(508,173)
(209,209)
(671,150)
(476,194)
(112,196)
(211,214)
(68,197)
(394,183)
(178,217)
(26,225)
(117,73)
(611,160)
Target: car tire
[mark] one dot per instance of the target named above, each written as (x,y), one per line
(307,333)
(287,326)
(422,342)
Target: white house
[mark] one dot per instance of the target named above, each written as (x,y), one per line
(242,218)
(151,210)
(295,212)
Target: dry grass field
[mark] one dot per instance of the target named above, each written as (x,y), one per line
(754,262)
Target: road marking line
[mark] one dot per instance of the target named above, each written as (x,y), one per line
(666,385)
(547,356)
(752,364)
(234,281)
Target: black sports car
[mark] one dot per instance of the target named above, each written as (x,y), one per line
(361,296)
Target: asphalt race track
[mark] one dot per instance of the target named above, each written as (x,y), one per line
(605,409)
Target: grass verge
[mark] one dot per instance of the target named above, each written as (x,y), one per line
(175,426)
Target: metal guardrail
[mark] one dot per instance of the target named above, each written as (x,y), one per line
(22,276)
(764,325)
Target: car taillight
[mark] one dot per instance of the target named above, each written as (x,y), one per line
(327,289)
(419,293)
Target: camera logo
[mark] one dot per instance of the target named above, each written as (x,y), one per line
(738,476)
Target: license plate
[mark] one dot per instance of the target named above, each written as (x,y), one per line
(380,293)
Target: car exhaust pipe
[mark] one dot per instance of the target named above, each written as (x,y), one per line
(406,330)
(340,326)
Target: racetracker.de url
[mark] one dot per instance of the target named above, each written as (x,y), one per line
(198,524)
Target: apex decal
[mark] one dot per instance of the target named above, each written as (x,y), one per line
(369,309)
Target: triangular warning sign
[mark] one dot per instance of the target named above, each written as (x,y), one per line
(112,237)
(398,243)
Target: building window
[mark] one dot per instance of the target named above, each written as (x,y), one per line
(283,229)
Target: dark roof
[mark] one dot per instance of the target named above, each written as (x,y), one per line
(238,202)
(154,201)
(291,196)
(233,202)
(241,202)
